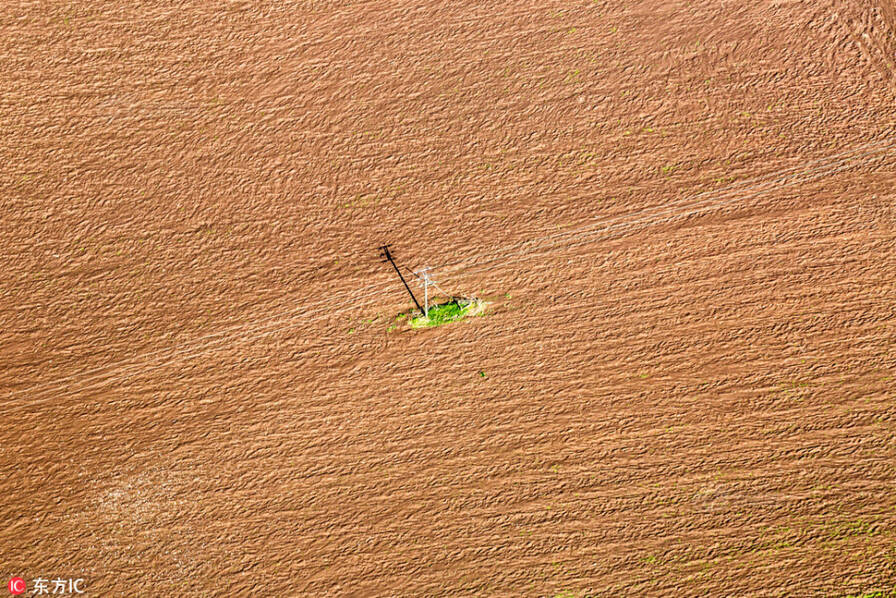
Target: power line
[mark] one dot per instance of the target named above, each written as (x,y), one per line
(102,378)
(688,202)
(104,373)
(283,316)
(431,281)
(652,213)
(168,351)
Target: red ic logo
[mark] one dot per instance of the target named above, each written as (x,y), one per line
(17,585)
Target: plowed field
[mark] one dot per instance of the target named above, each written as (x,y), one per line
(681,214)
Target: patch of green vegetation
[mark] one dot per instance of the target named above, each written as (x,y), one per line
(446,313)
(441,314)
(878,594)
(850,529)
(668,168)
(572,77)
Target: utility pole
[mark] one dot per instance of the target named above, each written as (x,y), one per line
(387,255)
(424,274)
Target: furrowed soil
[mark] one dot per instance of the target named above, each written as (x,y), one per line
(682,215)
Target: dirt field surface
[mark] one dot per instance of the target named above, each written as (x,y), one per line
(682,216)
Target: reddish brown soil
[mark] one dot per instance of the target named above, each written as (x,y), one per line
(688,359)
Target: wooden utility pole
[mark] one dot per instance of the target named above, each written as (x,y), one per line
(387,255)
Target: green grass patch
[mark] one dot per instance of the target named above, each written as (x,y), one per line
(447,312)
